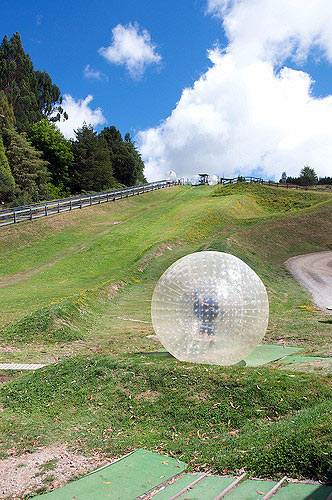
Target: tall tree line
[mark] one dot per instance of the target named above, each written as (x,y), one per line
(307,177)
(36,161)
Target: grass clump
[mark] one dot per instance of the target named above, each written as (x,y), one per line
(221,417)
(47,325)
(273,199)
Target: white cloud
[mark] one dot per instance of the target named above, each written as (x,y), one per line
(131,48)
(275,30)
(247,112)
(93,74)
(79,111)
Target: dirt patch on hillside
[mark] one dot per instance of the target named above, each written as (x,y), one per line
(112,290)
(148,396)
(6,376)
(47,468)
(158,252)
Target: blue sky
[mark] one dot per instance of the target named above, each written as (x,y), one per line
(228,87)
(62,40)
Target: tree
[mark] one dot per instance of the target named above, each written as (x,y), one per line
(308,176)
(28,168)
(137,173)
(31,93)
(7,117)
(325,180)
(48,94)
(127,163)
(293,180)
(56,150)
(283,179)
(7,183)
(92,168)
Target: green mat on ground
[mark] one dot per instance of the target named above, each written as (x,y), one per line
(296,491)
(248,490)
(264,353)
(138,473)
(303,359)
(125,479)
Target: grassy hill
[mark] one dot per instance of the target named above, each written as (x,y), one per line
(79,285)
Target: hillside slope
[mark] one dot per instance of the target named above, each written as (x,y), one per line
(74,278)
(76,289)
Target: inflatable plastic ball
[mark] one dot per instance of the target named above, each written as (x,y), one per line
(170,175)
(213,180)
(210,307)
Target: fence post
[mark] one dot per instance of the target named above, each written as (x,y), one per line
(14,216)
(80,202)
(30,213)
(70,204)
(90,200)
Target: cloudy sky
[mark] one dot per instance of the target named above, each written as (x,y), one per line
(222,86)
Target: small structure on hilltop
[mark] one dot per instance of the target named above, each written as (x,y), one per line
(204,180)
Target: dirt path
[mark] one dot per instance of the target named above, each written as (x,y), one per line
(314,272)
(48,467)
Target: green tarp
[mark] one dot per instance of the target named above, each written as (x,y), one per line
(263,354)
(125,479)
(142,471)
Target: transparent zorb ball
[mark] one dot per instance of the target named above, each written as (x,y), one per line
(213,180)
(170,175)
(195,180)
(210,307)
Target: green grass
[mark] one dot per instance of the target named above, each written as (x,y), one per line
(56,287)
(79,286)
(274,199)
(272,422)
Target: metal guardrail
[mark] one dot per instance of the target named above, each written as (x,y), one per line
(30,212)
(234,180)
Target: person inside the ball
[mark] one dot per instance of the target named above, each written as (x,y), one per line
(206,309)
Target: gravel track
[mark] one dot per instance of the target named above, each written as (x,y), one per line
(314,272)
